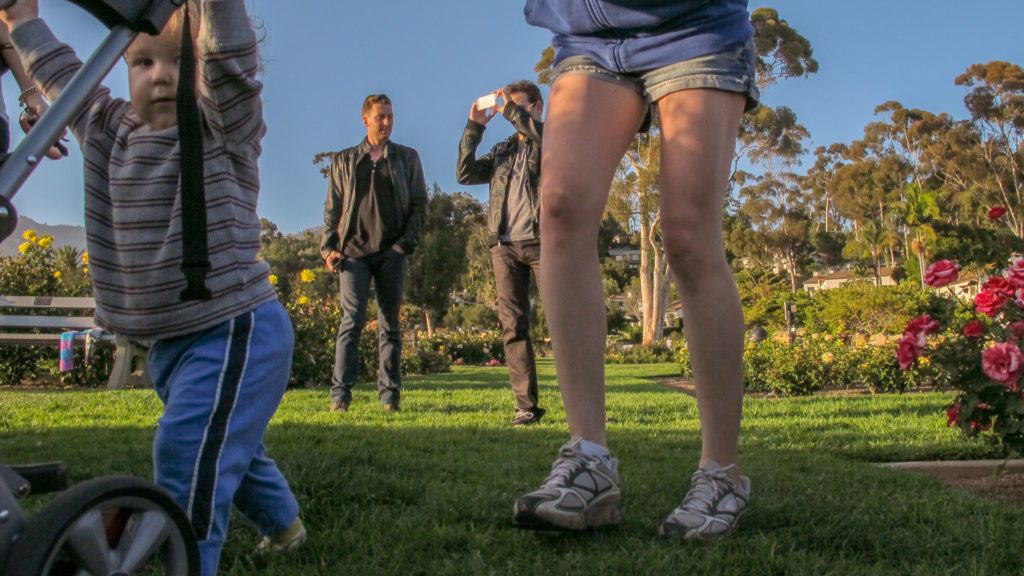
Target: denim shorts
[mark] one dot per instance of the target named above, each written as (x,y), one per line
(731,70)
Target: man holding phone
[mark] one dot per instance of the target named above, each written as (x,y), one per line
(373,217)
(512,168)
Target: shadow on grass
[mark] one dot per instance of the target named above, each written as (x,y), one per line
(405,498)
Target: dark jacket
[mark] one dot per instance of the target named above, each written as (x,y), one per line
(410,190)
(495,167)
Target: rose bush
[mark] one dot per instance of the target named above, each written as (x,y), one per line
(315,318)
(973,346)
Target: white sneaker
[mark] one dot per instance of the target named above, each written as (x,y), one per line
(580,492)
(712,508)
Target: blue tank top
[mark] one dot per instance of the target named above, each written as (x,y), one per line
(638,35)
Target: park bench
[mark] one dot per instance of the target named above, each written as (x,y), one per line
(23,329)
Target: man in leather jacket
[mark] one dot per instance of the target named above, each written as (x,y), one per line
(373,219)
(512,168)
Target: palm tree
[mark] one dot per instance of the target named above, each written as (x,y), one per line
(916,211)
(875,240)
(68,258)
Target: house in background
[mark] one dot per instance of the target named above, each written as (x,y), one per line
(840,277)
(626,254)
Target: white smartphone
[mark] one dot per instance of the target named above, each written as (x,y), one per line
(487,101)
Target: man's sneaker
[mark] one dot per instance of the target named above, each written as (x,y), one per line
(527,417)
(712,507)
(580,492)
(285,541)
(339,406)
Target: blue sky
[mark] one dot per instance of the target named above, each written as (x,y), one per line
(434,58)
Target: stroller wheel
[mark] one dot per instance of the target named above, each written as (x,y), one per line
(108,525)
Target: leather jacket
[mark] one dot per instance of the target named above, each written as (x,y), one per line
(495,167)
(410,189)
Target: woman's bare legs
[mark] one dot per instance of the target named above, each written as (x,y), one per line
(699,130)
(590,124)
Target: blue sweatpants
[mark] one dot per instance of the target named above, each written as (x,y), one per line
(220,388)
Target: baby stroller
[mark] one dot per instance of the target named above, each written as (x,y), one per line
(113,525)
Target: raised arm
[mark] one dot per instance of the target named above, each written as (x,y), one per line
(229,64)
(523,122)
(50,65)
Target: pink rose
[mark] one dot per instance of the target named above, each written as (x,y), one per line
(1017,327)
(990,302)
(941,272)
(1002,363)
(974,329)
(923,324)
(1015,274)
(996,212)
(908,348)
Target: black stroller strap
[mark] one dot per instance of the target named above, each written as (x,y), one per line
(195,262)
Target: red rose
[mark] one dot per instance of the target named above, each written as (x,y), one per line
(990,302)
(998,283)
(1002,363)
(923,324)
(941,272)
(974,329)
(908,348)
(996,212)
(1017,327)
(952,414)
(980,426)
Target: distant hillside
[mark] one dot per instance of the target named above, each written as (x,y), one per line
(63,235)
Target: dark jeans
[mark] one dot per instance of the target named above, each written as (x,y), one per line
(512,264)
(387,270)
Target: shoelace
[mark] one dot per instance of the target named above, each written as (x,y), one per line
(706,487)
(569,460)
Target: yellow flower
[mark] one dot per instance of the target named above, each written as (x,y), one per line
(924,361)
(303,300)
(45,241)
(827,357)
(86,269)
(85,257)
(828,337)
(56,273)
(24,246)
(29,235)
(273,279)
(307,275)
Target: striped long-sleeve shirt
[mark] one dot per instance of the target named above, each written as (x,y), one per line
(132,200)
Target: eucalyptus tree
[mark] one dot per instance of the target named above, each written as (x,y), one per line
(635,199)
(996,105)
(439,262)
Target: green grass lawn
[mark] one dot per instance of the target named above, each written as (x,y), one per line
(430,490)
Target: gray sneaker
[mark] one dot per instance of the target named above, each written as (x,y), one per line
(580,492)
(712,508)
